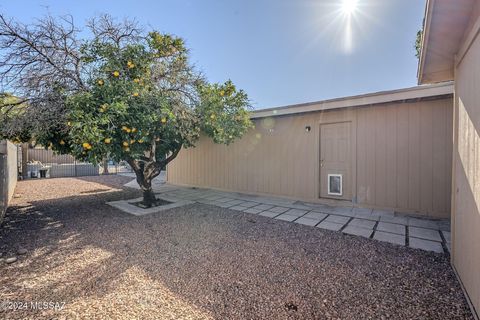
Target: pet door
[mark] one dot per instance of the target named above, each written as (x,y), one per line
(335,184)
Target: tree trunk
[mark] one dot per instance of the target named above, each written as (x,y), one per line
(149,197)
(145,184)
(146,172)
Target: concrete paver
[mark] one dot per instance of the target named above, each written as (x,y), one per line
(343,211)
(252,210)
(237,208)
(365,211)
(447,235)
(248,204)
(367,216)
(307,221)
(391,228)
(383,213)
(269,214)
(296,212)
(426,245)
(429,224)
(286,217)
(337,219)
(422,233)
(361,223)
(385,225)
(316,215)
(389,237)
(279,209)
(358,231)
(394,219)
(330,225)
(263,207)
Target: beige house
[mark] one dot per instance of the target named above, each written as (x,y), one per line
(388,150)
(392,150)
(451,51)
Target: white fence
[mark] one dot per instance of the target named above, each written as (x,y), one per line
(8,174)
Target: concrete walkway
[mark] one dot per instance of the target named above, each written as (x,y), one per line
(387,226)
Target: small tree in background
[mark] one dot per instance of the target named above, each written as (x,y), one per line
(124,93)
(418,43)
(11,113)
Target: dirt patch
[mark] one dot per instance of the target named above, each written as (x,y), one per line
(204,262)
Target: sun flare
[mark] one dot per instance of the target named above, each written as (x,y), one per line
(349,6)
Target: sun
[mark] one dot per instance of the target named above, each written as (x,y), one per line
(349,6)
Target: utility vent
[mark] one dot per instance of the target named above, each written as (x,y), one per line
(335,187)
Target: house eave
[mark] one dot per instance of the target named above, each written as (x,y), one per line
(446,23)
(426,33)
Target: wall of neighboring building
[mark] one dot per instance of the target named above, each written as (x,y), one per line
(8,174)
(400,157)
(12,164)
(466,170)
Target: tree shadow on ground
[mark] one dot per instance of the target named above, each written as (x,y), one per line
(201,261)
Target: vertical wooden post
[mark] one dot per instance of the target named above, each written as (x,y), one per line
(24,160)
(105,166)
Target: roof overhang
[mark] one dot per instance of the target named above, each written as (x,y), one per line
(446,22)
(383,97)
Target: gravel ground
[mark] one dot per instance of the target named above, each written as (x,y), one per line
(203,262)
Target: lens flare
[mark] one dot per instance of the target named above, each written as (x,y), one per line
(349,6)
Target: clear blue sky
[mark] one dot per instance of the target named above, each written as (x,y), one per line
(279,51)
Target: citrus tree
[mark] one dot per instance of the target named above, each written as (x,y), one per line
(135,97)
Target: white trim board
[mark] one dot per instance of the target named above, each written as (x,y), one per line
(418,92)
